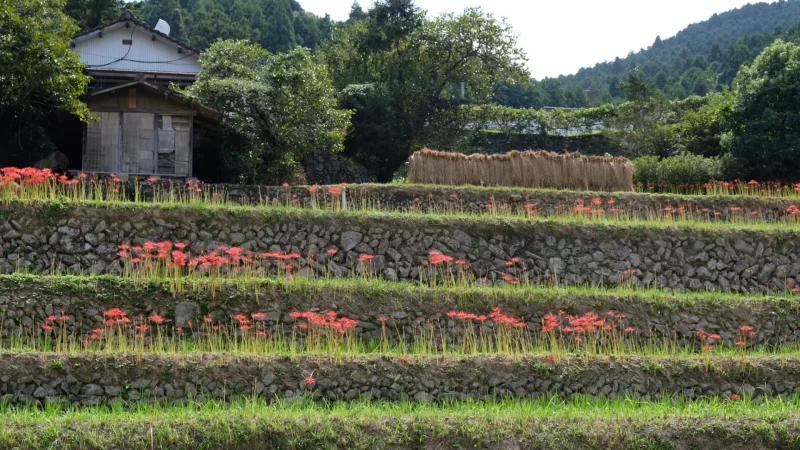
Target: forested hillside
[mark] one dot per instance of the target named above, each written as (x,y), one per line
(701,58)
(277,25)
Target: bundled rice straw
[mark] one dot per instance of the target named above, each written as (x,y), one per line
(540,169)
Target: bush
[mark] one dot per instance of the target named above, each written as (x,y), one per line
(683,168)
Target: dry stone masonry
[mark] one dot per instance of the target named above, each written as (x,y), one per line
(82,239)
(90,380)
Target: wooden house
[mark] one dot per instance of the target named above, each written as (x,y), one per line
(145,127)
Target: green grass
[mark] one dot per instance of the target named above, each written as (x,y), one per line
(283,214)
(344,289)
(547,423)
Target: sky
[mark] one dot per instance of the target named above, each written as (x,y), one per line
(561,36)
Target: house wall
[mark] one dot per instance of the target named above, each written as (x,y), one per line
(139,132)
(144,55)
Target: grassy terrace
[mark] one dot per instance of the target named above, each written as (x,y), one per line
(303,293)
(56,209)
(694,390)
(369,300)
(541,424)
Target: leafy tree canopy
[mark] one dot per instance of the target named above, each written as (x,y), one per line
(38,71)
(406,76)
(276,107)
(765,117)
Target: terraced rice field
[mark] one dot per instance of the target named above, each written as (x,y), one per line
(402,317)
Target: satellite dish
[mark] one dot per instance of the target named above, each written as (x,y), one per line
(162,27)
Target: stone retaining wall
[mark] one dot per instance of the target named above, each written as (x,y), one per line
(25,302)
(93,379)
(47,237)
(480,201)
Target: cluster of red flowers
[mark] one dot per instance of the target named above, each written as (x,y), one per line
(26,175)
(329,320)
(194,186)
(588,322)
(745,331)
(437,257)
(581,208)
(365,257)
(174,255)
(495,316)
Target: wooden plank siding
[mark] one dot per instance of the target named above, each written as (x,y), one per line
(140,132)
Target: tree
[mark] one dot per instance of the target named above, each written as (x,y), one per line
(765,118)
(38,70)
(279,33)
(276,107)
(702,126)
(91,13)
(176,25)
(407,77)
(356,13)
(642,123)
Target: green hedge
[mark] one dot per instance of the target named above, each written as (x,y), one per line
(683,168)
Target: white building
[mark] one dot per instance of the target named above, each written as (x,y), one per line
(144,127)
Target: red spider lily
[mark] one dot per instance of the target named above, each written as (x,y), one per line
(707,348)
(335,191)
(745,328)
(241,318)
(597,201)
(152,179)
(262,333)
(47,327)
(366,257)
(753,183)
(115,312)
(155,318)
(124,320)
(735,397)
(178,329)
(509,279)
(454,196)
(740,343)
(313,189)
(50,319)
(259,316)
(142,327)
(550,323)
(629,330)
(551,358)
(285,185)
(332,251)
(310,380)
(404,358)
(244,327)
(504,319)
(436,257)
(382,320)
(208,319)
